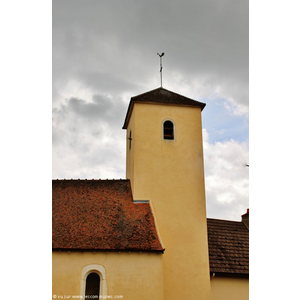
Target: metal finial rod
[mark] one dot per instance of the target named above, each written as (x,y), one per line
(161,67)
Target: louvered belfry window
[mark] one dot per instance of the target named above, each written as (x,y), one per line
(168,130)
(92,286)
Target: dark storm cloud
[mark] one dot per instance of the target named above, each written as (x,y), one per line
(88,141)
(101,109)
(102,112)
(119,41)
(106,81)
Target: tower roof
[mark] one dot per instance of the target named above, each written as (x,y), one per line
(161,96)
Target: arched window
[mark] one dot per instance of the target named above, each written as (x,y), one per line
(168,130)
(93,282)
(92,286)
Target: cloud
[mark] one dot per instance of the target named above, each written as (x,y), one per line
(87,138)
(105,52)
(111,47)
(226,178)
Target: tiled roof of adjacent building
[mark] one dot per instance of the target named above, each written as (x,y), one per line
(161,96)
(228,243)
(101,215)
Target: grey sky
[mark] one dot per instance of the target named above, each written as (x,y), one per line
(104,52)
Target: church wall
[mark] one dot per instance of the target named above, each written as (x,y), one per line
(134,276)
(223,288)
(130,149)
(170,173)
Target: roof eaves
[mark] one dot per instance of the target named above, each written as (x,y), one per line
(136,100)
(228,274)
(161,251)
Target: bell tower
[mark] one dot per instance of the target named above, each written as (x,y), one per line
(164,163)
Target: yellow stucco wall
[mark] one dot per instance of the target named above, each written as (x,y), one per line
(223,288)
(134,276)
(170,173)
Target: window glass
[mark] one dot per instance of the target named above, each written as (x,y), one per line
(168,130)
(92,286)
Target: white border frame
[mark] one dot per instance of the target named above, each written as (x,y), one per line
(100,270)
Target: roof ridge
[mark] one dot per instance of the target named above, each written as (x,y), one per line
(145,93)
(163,89)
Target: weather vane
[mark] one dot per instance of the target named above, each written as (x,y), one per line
(161,55)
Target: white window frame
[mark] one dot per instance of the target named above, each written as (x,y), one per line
(100,270)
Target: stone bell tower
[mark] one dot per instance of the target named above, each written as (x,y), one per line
(165,165)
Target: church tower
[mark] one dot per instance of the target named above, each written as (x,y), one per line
(165,166)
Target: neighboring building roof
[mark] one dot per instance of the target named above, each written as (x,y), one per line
(228,243)
(161,96)
(101,215)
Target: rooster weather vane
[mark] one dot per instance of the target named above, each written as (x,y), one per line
(161,67)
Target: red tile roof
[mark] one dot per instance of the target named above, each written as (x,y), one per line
(161,96)
(228,243)
(101,215)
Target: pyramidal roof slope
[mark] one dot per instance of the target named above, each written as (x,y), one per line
(161,96)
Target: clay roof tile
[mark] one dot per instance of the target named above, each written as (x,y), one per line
(101,215)
(228,243)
